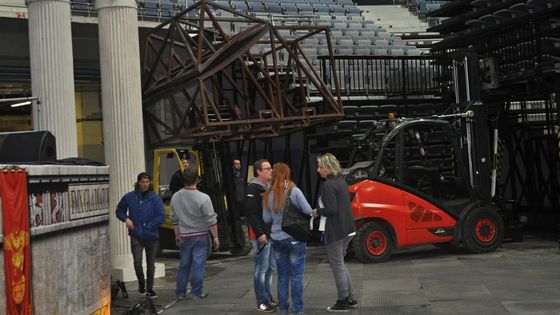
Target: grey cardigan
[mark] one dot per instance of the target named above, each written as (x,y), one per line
(334,203)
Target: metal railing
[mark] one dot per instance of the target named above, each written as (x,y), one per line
(382,75)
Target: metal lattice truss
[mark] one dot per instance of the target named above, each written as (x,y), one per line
(214,74)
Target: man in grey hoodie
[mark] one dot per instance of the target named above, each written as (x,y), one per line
(193,217)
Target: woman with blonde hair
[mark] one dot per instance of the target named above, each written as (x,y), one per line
(288,252)
(334,204)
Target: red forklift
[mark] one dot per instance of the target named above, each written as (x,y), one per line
(429,181)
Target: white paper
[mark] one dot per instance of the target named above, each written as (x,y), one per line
(323,219)
(322,223)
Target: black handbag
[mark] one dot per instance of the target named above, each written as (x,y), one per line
(294,222)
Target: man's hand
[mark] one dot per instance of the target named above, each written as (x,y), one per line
(129,224)
(314,213)
(178,241)
(262,239)
(215,244)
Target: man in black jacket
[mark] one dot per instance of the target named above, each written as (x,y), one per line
(238,201)
(259,233)
(178,180)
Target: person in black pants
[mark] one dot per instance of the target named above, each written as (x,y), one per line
(142,212)
(238,202)
(334,204)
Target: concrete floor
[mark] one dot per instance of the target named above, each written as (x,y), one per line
(519,278)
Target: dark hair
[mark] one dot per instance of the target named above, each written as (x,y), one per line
(141,176)
(191,177)
(257,166)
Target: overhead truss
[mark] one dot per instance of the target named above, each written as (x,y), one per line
(214,74)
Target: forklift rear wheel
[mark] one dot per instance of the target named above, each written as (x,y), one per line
(483,230)
(373,243)
(246,248)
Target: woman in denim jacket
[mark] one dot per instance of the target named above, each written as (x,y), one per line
(289,253)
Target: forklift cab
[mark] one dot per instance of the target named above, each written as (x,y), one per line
(166,163)
(422,156)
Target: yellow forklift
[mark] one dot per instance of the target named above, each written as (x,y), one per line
(215,181)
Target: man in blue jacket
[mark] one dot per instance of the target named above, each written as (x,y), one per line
(142,212)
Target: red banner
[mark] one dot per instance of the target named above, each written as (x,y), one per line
(17,257)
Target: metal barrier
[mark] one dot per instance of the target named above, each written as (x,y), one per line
(382,75)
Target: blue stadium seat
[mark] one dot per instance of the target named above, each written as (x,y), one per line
(150,8)
(411,51)
(274,8)
(223,3)
(257,7)
(304,8)
(378,50)
(395,50)
(336,8)
(362,40)
(353,10)
(167,8)
(80,5)
(289,8)
(321,8)
(239,6)
(361,50)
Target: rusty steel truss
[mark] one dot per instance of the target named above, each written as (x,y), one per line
(214,74)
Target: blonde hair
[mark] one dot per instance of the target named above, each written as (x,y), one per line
(330,163)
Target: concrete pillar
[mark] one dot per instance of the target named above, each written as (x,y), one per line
(52,72)
(123,132)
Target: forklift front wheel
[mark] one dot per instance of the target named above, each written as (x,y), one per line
(483,230)
(373,243)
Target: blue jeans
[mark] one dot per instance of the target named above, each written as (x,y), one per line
(265,264)
(194,252)
(290,259)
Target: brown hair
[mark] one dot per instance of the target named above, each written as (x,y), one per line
(281,183)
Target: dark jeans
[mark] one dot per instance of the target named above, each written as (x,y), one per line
(290,261)
(151,247)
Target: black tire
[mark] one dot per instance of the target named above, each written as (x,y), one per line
(483,230)
(246,248)
(373,243)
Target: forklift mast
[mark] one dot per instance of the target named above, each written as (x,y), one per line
(476,138)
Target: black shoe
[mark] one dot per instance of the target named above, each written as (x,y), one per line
(141,290)
(266,308)
(273,303)
(151,294)
(352,303)
(339,307)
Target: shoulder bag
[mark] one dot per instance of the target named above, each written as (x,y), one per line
(295,222)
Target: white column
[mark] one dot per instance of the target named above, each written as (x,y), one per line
(123,132)
(52,72)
